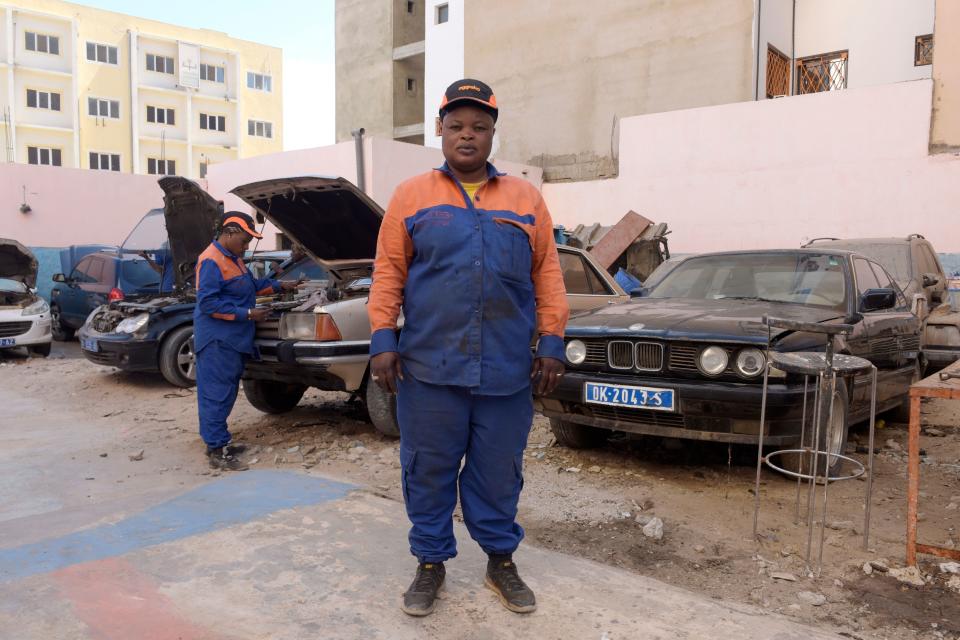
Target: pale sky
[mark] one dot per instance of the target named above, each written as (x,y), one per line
(302,28)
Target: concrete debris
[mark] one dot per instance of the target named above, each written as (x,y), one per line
(951,507)
(867,568)
(954,583)
(135,457)
(783,575)
(255,461)
(812,598)
(934,433)
(841,525)
(950,567)
(654,529)
(909,575)
(293,449)
(594,469)
(309,449)
(642,519)
(880,565)
(699,548)
(572,469)
(893,445)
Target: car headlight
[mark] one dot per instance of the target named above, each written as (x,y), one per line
(750,362)
(714,360)
(36,308)
(576,352)
(133,324)
(308,326)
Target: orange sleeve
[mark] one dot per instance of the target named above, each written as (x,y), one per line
(551,294)
(394,253)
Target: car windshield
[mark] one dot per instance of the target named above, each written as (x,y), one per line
(306,268)
(149,235)
(12,285)
(895,258)
(795,278)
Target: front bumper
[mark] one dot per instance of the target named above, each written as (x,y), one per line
(940,358)
(119,350)
(706,410)
(332,366)
(12,333)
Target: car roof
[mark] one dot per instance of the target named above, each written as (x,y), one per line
(807,250)
(817,242)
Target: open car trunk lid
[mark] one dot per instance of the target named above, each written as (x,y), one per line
(17,263)
(191,216)
(330,217)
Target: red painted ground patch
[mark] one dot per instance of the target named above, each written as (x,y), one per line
(117,602)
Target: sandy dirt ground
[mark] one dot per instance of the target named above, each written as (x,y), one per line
(585,503)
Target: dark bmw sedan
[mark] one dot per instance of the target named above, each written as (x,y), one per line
(687,360)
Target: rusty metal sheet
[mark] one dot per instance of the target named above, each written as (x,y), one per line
(613,243)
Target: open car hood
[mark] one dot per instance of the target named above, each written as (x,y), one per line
(191,216)
(17,263)
(330,217)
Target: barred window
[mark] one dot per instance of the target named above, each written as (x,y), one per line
(825,72)
(778,73)
(923,50)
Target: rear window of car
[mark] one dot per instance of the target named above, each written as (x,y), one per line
(138,274)
(895,258)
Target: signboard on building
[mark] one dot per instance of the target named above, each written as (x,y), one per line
(189,55)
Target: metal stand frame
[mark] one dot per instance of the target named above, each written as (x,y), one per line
(826,367)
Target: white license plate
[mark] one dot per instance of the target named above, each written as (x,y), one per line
(89,344)
(8,342)
(618,395)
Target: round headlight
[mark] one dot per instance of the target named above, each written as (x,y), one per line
(750,362)
(714,360)
(576,352)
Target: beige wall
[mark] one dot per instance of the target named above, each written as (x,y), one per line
(945,130)
(364,67)
(565,72)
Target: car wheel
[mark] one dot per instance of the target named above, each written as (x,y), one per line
(42,350)
(60,332)
(577,436)
(382,409)
(273,397)
(802,463)
(178,363)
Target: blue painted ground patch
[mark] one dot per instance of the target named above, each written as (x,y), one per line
(235,499)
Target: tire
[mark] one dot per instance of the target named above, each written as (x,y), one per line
(42,350)
(273,397)
(577,436)
(176,360)
(382,410)
(60,332)
(800,463)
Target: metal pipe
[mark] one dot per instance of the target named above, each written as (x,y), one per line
(913,479)
(803,437)
(361,173)
(873,418)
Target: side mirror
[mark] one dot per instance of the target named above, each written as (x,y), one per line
(930,280)
(59,277)
(878,300)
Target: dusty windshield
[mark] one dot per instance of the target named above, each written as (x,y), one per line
(795,278)
(895,258)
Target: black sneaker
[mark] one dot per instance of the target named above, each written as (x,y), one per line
(502,578)
(421,598)
(221,458)
(235,448)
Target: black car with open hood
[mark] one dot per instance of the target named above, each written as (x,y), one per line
(17,263)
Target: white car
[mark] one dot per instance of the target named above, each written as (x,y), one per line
(24,315)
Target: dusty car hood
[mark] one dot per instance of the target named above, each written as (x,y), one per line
(329,216)
(17,263)
(192,216)
(684,319)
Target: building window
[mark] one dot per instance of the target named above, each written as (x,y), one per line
(411,86)
(102,53)
(100,108)
(43,100)
(778,73)
(157,167)
(212,73)
(160,115)
(923,51)
(827,72)
(259,129)
(44,155)
(212,122)
(203,169)
(443,13)
(410,6)
(41,43)
(259,81)
(160,64)
(105,161)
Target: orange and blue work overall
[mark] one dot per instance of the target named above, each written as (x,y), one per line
(477,279)
(222,336)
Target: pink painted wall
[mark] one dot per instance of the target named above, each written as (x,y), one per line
(775,173)
(73,206)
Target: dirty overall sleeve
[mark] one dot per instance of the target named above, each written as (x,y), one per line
(552,308)
(211,303)
(394,252)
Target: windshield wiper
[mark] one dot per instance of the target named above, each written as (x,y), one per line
(756,298)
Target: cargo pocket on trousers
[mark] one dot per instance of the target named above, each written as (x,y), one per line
(407,460)
(518,469)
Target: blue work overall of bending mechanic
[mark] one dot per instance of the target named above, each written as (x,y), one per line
(223,329)
(469,254)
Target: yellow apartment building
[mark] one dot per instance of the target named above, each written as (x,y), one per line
(92,89)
